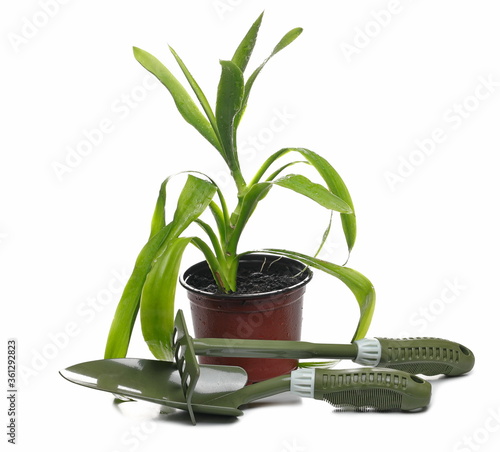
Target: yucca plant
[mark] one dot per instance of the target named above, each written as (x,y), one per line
(152,285)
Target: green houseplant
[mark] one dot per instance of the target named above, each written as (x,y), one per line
(152,285)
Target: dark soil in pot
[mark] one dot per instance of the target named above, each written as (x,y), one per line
(268,305)
(250,280)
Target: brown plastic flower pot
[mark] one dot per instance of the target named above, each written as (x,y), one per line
(275,315)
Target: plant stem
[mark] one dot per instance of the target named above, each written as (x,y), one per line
(238,180)
(230,245)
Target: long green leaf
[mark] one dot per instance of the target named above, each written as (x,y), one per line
(283,168)
(158,220)
(359,285)
(157,300)
(213,239)
(126,311)
(328,228)
(220,220)
(193,184)
(229,98)
(325,235)
(298,183)
(339,188)
(182,99)
(316,192)
(285,41)
(245,49)
(199,93)
(193,200)
(220,213)
(332,180)
(195,197)
(158,294)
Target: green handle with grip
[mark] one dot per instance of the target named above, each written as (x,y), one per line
(371,388)
(427,356)
(361,389)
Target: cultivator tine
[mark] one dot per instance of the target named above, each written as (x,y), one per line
(185,359)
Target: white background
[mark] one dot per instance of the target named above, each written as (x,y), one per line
(68,242)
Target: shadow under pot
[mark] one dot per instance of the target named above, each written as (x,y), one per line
(267,305)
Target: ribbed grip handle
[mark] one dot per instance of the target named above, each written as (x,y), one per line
(426,355)
(372,388)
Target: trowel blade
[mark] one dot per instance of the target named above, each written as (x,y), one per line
(159,382)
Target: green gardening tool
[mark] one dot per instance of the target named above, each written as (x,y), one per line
(427,356)
(222,390)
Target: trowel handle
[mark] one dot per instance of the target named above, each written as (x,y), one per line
(422,355)
(363,388)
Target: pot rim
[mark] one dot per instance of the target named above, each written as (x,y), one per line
(247,257)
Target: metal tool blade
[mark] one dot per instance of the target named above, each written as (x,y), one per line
(159,382)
